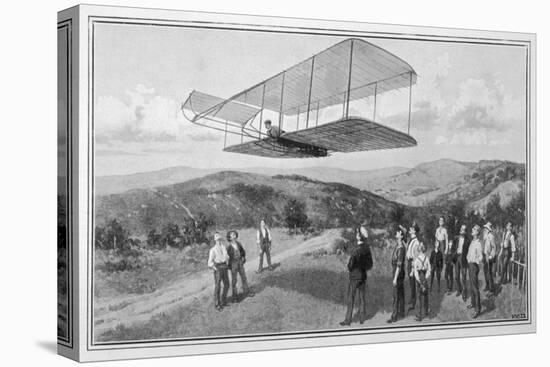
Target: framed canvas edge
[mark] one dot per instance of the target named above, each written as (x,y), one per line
(84,350)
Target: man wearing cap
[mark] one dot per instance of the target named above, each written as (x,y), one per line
(475,258)
(263,239)
(412,253)
(422,271)
(359,263)
(272,131)
(237,258)
(507,252)
(398,272)
(461,244)
(218,261)
(489,252)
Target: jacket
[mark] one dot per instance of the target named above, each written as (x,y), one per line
(360,262)
(462,257)
(232,255)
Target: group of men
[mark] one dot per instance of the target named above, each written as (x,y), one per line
(461,257)
(230,258)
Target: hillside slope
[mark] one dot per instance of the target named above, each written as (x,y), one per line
(440,182)
(238,199)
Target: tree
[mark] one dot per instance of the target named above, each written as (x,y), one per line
(295,215)
(494,212)
(515,211)
(111,237)
(171,235)
(154,239)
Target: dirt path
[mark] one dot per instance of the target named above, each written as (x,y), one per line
(128,310)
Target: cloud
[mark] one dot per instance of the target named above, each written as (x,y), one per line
(473,137)
(484,103)
(146,117)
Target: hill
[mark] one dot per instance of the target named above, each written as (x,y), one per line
(120,183)
(443,181)
(239,199)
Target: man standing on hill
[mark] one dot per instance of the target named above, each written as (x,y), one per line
(263,239)
(237,258)
(475,258)
(489,258)
(218,261)
(422,271)
(412,253)
(461,245)
(507,252)
(359,263)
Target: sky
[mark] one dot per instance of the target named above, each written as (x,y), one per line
(468,103)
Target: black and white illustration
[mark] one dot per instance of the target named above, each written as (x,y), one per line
(269,181)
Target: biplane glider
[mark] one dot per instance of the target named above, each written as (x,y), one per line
(345,72)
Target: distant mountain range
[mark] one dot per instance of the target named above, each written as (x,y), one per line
(240,199)
(443,181)
(430,183)
(120,183)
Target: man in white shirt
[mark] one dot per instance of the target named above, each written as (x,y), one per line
(412,253)
(218,262)
(507,252)
(475,258)
(489,250)
(263,239)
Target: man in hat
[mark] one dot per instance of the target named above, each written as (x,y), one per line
(475,258)
(398,272)
(359,263)
(218,261)
(489,259)
(507,252)
(422,271)
(271,130)
(237,259)
(412,253)
(461,244)
(263,239)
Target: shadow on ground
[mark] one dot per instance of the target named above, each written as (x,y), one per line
(331,286)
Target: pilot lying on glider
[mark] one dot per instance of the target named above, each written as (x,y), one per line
(272,131)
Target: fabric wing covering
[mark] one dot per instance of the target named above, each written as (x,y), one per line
(219,108)
(318,82)
(373,70)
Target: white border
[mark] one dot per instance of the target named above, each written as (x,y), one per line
(82,140)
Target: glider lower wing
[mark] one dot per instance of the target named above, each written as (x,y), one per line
(349,135)
(352,135)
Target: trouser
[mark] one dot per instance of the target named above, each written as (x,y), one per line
(423,297)
(488,267)
(399,298)
(461,270)
(412,283)
(265,249)
(237,269)
(474,286)
(436,273)
(505,265)
(220,276)
(359,287)
(449,275)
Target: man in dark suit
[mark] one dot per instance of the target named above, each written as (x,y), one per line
(237,259)
(450,260)
(359,263)
(461,244)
